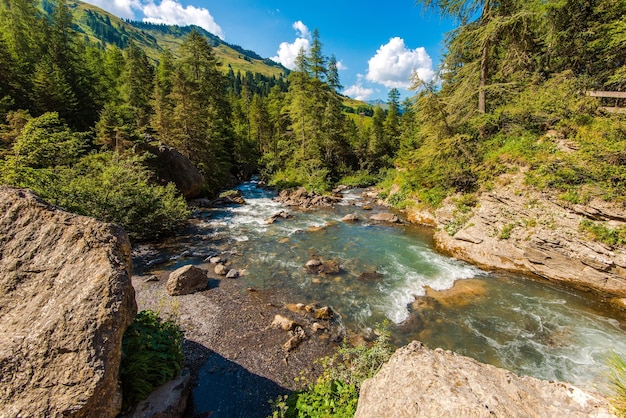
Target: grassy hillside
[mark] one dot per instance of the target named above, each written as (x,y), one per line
(101,27)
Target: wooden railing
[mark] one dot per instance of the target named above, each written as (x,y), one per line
(610,95)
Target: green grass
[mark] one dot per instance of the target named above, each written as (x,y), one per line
(613,237)
(617,384)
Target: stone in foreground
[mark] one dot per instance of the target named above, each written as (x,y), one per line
(186,280)
(419,382)
(65,301)
(169,400)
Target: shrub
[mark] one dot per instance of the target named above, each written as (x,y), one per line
(151,355)
(336,392)
(358,179)
(109,188)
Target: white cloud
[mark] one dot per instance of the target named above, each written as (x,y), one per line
(301,30)
(357,91)
(341,66)
(288,52)
(394,63)
(120,8)
(171,12)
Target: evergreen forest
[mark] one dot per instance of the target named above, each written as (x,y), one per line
(75,109)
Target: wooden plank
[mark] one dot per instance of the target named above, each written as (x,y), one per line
(612,94)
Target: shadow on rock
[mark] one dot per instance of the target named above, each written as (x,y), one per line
(225,389)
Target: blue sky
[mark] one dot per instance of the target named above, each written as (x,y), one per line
(378,44)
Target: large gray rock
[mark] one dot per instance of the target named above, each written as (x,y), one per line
(385,217)
(418,382)
(186,280)
(173,167)
(65,301)
(300,197)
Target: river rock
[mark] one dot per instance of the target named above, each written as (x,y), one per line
(351,217)
(283,214)
(231,197)
(232,274)
(313,263)
(65,301)
(329,267)
(186,280)
(300,197)
(370,276)
(419,382)
(171,166)
(168,400)
(323,313)
(462,293)
(385,217)
(215,260)
(221,270)
(298,336)
(283,323)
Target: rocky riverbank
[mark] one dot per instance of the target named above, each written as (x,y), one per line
(240,343)
(516,228)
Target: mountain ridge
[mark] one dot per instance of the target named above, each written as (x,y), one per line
(105,29)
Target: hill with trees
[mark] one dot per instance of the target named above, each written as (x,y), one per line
(76,109)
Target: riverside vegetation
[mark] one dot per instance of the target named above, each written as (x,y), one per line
(73,107)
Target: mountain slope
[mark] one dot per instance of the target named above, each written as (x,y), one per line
(105,29)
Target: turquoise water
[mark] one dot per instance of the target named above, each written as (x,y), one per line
(511,321)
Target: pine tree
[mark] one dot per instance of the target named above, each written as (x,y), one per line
(137,84)
(162,119)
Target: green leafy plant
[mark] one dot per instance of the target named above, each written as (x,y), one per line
(151,355)
(336,392)
(617,384)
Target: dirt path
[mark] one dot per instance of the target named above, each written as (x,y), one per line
(235,357)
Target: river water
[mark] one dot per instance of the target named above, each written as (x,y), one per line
(511,321)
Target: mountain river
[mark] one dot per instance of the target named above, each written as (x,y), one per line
(519,323)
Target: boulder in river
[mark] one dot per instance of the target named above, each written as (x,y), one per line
(283,214)
(318,266)
(300,197)
(65,301)
(370,276)
(232,274)
(186,280)
(351,217)
(313,264)
(421,382)
(385,217)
